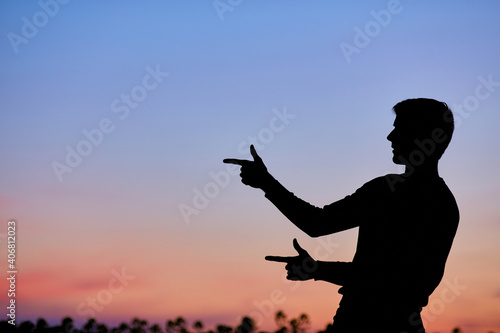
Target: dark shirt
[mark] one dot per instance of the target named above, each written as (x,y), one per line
(406,229)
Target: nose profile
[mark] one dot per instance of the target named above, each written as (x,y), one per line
(389,137)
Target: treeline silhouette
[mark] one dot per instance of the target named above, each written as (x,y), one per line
(137,325)
(179,325)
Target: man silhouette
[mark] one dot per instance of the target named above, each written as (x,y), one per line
(406,226)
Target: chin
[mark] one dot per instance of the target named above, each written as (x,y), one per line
(396,160)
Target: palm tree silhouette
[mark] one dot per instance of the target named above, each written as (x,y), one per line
(102,328)
(295,325)
(26,327)
(247,326)
(41,326)
(198,326)
(123,328)
(299,325)
(224,329)
(67,325)
(280,320)
(89,326)
(155,328)
(138,325)
(177,326)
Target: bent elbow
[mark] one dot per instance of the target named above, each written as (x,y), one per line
(314,226)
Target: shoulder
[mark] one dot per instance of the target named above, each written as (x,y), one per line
(379,187)
(382,184)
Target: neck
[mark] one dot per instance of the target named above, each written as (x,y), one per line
(426,170)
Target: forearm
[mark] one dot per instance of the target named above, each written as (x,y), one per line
(299,212)
(336,272)
(313,220)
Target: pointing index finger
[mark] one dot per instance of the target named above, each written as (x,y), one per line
(279,259)
(235,161)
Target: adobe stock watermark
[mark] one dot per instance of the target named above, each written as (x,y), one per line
(425,149)
(121,107)
(267,307)
(30,27)
(437,306)
(471,103)
(373,28)
(116,285)
(221,179)
(223,6)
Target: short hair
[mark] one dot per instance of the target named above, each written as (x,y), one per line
(424,115)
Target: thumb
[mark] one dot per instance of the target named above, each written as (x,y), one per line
(300,250)
(255,156)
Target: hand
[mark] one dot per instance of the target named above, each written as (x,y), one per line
(253,173)
(299,268)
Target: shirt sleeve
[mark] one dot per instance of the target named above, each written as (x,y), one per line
(335,272)
(341,215)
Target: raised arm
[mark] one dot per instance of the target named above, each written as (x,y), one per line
(313,220)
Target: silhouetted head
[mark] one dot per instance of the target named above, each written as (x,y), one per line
(422,130)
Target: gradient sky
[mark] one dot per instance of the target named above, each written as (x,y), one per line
(231,71)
